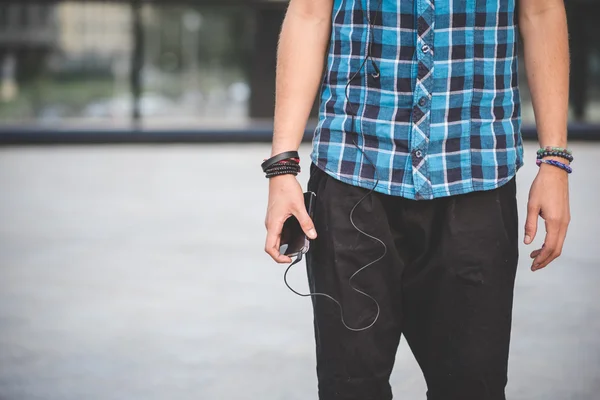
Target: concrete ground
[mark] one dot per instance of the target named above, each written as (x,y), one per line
(138,273)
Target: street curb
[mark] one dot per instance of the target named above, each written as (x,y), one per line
(263,134)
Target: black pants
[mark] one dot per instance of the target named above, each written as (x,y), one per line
(446,284)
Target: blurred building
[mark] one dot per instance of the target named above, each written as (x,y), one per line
(584,41)
(189,63)
(98,29)
(28,35)
(25,25)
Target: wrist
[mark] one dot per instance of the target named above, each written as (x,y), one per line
(281,182)
(552,169)
(282,178)
(282,146)
(553,143)
(274,151)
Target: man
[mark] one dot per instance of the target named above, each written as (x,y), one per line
(419,103)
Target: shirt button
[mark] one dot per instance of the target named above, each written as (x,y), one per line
(418,154)
(425,49)
(422,101)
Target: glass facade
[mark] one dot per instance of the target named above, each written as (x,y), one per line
(74,63)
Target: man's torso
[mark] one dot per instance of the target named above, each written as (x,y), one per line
(436,108)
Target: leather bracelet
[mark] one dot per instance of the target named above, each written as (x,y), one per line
(279,157)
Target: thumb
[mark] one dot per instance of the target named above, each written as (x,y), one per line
(306,223)
(531,223)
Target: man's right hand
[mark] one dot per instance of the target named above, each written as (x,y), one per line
(286,198)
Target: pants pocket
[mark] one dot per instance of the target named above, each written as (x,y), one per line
(483,234)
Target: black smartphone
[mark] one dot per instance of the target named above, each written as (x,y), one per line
(293,239)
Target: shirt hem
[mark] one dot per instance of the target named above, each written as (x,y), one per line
(411,194)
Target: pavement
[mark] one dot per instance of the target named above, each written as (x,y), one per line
(138,272)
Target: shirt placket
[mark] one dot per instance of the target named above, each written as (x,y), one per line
(421,114)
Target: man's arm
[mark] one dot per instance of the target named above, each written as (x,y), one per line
(300,61)
(543,27)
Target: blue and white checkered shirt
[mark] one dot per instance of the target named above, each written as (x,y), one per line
(437,104)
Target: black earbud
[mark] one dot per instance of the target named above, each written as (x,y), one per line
(377,73)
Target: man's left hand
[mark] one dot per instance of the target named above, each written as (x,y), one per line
(548,198)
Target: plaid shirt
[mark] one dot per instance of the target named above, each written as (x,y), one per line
(443,115)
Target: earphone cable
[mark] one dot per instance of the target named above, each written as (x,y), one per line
(353,113)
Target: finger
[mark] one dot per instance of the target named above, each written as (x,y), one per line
(305,222)
(562,237)
(535,253)
(272,244)
(548,252)
(533,212)
(283,258)
(559,246)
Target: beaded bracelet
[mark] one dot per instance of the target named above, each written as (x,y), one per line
(284,167)
(560,154)
(272,173)
(277,173)
(560,149)
(555,163)
(281,169)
